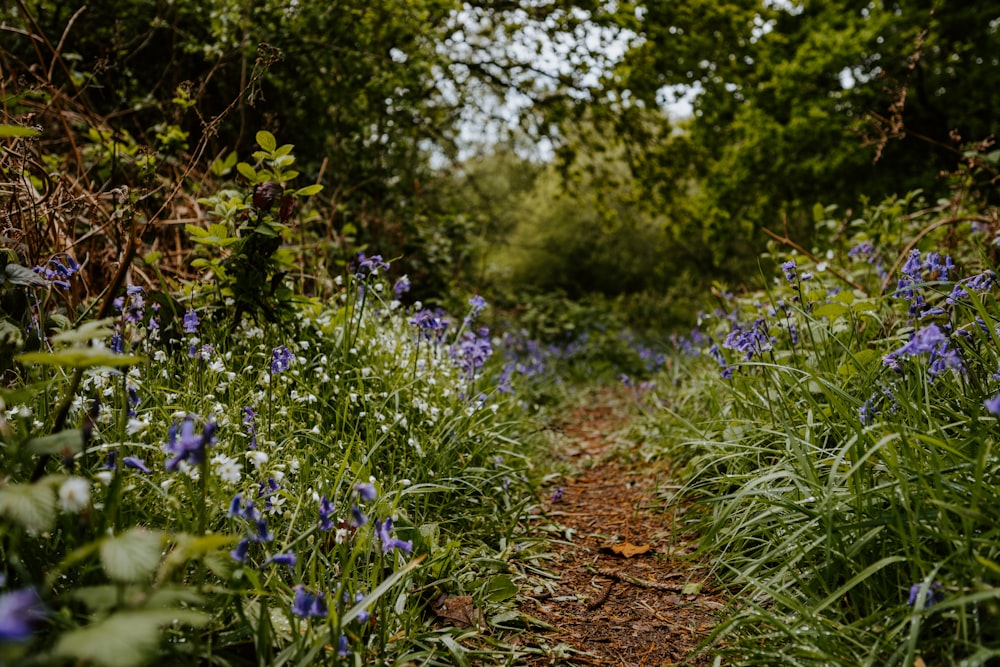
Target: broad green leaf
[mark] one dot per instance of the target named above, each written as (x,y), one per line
(500,588)
(79,357)
(22,275)
(132,556)
(125,639)
(309,190)
(846,297)
(97,598)
(691,588)
(266,141)
(31,505)
(17,131)
(831,310)
(63,443)
(247,172)
(88,331)
(283,150)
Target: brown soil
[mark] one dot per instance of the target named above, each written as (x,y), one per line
(627,591)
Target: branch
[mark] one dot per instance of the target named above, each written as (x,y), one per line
(792,244)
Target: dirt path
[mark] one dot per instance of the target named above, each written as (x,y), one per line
(625,593)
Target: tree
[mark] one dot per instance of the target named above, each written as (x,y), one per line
(799,103)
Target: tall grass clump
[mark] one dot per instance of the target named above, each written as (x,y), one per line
(839,432)
(229,470)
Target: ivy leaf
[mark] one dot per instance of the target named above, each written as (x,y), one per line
(132,556)
(31,505)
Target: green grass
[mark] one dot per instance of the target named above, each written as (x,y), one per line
(833,473)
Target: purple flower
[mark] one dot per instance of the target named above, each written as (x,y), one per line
(287,558)
(262,534)
(342,649)
(184,444)
(136,463)
(473,350)
(19,610)
(239,554)
(993,405)
(929,340)
(401,287)
(247,511)
(789,269)
(326,512)
(384,530)
(190,321)
(281,359)
(932,595)
(307,604)
(365,491)
(557,495)
(358,517)
(371,265)
(363,616)
(249,420)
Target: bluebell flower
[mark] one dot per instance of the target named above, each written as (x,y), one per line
(993,405)
(190,321)
(365,491)
(307,604)
(789,269)
(326,514)
(249,420)
(19,611)
(557,495)
(288,558)
(933,594)
(358,517)
(136,463)
(281,359)
(401,287)
(342,649)
(261,534)
(185,444)
(239,554)
(384,531)
(370,266)
(363,616)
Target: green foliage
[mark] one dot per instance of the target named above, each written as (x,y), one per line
(252,273)
(838,435)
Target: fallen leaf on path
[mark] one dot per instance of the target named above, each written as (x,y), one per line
(459,610)
(627,549)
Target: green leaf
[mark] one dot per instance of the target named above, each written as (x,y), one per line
(831,311)
(31,505)
(500,588)
(17,131)
(125,639)
(132,556)
(63,443)
(247,172)
(79,357)
(309,190)
(92,330)
(22,275)
(266,141)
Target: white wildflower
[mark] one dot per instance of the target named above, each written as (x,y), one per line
(74,495)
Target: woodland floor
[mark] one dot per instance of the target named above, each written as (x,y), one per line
(624,588)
